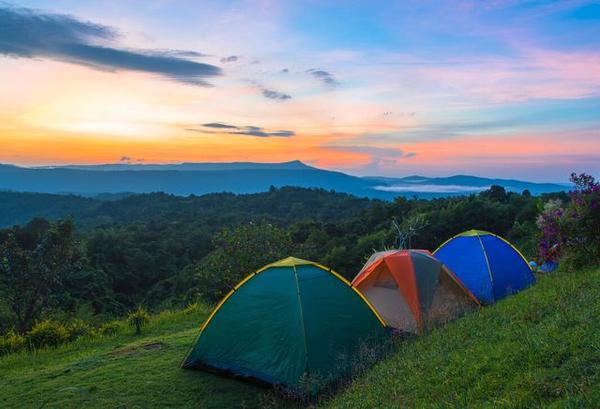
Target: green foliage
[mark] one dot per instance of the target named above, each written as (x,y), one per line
(37,262)
(166,251)
(48,333)
(12,342)
(191,308)
(78,328)
(237,253)
(138,319)
(110,328)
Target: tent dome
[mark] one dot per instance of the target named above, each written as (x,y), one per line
(292,323)
(487,264)
(412,290)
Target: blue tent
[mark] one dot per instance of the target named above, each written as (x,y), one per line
(488,265)
(549,266)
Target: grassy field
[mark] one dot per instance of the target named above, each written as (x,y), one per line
(540,348)
(124,371)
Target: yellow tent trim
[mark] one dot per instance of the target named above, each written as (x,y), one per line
(289,262)
(241,283)
(471,233)
(514,248)
(349,284)
(216,309)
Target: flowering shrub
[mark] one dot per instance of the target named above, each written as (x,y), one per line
(48,333)
(581,221)
(573,231)
(549,224)
(11,342)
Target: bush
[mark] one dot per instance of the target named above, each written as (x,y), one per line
(580,223)
(110,328)
(573,231)
(48,333)
(138,319)
(11,342)
(549,246)
(78,328)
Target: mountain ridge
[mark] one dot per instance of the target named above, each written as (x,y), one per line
(241,177)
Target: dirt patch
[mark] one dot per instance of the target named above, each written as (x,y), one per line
(154,345)
(150,346)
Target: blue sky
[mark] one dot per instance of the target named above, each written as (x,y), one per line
(495,88)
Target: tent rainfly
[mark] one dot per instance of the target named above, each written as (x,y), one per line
(293,323)
(488,265)
(412,290)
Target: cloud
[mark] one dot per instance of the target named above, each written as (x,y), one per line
(381,152)
(129,159)
(182,53)
(219,125)
(27,33)
(284,71)
(379,158)
(260,132)
(241,130)
(279,96)
(325,77)
(231,58)
(425,188)
(270,93)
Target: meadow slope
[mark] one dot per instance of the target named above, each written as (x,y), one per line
(540,348)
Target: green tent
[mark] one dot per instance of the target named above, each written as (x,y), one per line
(294,323)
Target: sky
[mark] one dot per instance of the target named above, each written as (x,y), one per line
(500,88)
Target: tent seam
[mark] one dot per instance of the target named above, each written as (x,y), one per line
(416,290)
(489,267)
(301,308)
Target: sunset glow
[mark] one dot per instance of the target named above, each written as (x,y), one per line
(373,89)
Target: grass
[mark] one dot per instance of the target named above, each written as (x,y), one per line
(124,371)
(539,348)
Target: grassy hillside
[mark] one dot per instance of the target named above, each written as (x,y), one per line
(123,371)
(538,348)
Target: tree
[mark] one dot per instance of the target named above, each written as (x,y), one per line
(238,252)
(496,193)
(573,231)
(33,273)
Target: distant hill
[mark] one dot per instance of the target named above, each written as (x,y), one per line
(239,177)
(188,166)
(458,185)
(214,209)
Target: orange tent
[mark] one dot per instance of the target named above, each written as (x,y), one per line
(412,290)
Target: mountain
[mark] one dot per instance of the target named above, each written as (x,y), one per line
(238,177)
(181,179)
(188,166)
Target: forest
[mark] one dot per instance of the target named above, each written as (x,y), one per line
(98,259)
